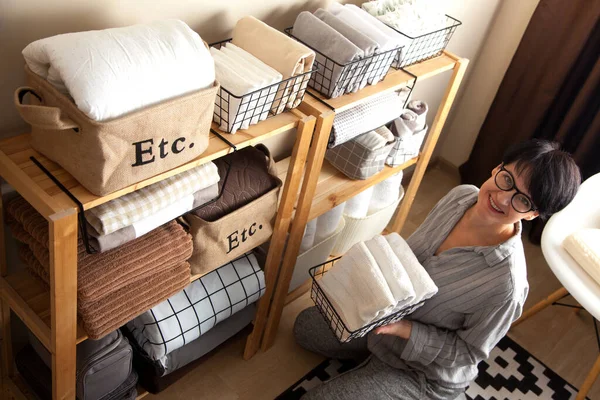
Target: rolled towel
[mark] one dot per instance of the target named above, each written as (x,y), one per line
(358,206)
(385,193)
(392,269)
(357,289)
(115,71)
(308,240)
(327,223)
(422,283)
(584,247)
(281,52)
(328,43)
(420,108)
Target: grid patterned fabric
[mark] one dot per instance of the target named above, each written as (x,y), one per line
(195,310)
(135,206)
(405,148)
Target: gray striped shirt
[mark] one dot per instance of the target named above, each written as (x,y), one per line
(481,292)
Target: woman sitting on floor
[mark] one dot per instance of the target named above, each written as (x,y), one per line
(470,244)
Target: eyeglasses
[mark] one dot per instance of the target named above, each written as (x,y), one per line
(506,182)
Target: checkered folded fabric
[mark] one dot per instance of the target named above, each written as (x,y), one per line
(405,148)
(135,206)
(362,157)
(367,116)
(195,310)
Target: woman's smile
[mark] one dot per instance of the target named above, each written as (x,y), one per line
(493,205)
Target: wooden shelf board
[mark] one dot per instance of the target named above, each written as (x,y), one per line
(42,193)
(30,300)
(334,188)
(141,392)
(395,79)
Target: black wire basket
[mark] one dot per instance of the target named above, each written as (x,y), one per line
(333,79)
(426,46)
(260,104)
(335,322)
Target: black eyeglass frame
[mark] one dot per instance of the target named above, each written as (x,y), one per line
(517,191)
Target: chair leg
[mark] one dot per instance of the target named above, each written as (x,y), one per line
(589,380)
(560,293)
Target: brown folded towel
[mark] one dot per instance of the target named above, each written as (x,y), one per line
(33,222)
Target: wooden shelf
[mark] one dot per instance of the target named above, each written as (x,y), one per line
(30,300)
(141,392)
(395,79)
(47,198)
(334,188)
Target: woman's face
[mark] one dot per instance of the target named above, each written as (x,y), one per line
(494,205)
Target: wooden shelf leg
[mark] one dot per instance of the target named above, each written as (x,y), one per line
(305,129)
(432,138)
(63,302)
(7,355)
(589,380)
(315,161)
(559,294)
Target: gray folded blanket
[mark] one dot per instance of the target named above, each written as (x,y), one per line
(331,79)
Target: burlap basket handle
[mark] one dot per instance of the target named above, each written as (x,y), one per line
(271,163)
(41,116)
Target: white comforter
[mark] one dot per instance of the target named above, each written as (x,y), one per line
(111,72)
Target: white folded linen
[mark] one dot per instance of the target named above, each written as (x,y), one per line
(112,72)
(327,223)
(362,41)
(358,206)
(420,108)
(308,239)
(393,271)
(411,17)
(423,285)
(584,247)
(385,193)
(357,289)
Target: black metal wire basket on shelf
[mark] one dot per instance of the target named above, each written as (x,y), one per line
(336,323)
(333,79)
(233,112)
(426,46)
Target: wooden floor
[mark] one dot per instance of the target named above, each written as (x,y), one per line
(557,336)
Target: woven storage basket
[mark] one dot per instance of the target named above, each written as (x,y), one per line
(110,155)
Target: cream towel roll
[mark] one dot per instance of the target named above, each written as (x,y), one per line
(308,240)
(385,193)
(358,206)
(327,223)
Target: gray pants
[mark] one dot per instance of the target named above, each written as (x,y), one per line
(373,379)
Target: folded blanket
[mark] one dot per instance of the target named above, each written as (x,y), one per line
(135,206)
(308,240)
(366,116)
(115,71)
(328,223)
(108,242)
(357,289)
(360,40)
(393,271)
(385,193)
(281,52)
(584,247)
(358,206)
(199,307)
(420,108)
(333,78)
(423,285)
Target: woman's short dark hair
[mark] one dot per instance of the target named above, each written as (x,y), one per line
(552,175)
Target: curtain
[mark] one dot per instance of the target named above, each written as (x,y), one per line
(551,90)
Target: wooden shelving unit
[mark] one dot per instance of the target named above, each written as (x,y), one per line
(52,314)
(324,187)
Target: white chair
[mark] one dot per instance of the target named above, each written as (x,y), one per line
(583,212)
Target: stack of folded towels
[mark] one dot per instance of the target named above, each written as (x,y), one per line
(342,37)
(411,17)
(257,57)
(375,279)
(114,286)
(95,68)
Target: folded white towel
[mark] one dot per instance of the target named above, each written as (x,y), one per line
(420,108)
(396,39)
(112,72)
(412,17)
(357,289)
(392,269)
(358,206)
(422,283)
(308,240)
(327,223)
(584,247)
(364,42)
(385,193)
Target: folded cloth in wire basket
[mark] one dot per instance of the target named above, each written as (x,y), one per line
(115,71)
(281,52)
(330,45)
(363,156)
(135,206)
(204,303)
(367,116)
(409,135)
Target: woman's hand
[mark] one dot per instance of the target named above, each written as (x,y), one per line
(401,329)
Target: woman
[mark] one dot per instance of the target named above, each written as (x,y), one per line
(470,244)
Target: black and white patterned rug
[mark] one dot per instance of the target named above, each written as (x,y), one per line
(511,373)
